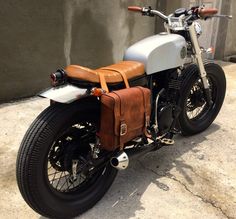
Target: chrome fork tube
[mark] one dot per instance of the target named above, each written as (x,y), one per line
(198,56)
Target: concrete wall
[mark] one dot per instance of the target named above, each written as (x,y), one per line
(31,45)
(37,37)
(223,30)
(230,45)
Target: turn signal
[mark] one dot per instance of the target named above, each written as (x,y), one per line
(210,50)
(97,92)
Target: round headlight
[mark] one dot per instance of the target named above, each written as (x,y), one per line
(198,28)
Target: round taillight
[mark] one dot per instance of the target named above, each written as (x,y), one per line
(53,79)
(58,78)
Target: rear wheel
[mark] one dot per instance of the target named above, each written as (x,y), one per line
(54,170)
(196,114)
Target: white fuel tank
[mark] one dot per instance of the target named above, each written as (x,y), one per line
(160,52)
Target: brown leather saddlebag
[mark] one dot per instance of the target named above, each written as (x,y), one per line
(125,115)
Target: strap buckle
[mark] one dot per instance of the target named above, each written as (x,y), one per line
(123,129)
(147,121)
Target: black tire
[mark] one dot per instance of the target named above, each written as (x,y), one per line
(33,151)
(216,77)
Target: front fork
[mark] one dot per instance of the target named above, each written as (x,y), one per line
(198,57)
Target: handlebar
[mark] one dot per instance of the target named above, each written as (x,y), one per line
(206,12)
(148,11)
(193,14)
(159,14)
(135,8)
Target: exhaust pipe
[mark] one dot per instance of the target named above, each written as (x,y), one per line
(120,161)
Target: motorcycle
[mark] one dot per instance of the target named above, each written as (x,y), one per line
(62,170)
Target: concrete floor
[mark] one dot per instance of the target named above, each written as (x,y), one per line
(195,178)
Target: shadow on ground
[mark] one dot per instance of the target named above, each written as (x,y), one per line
(123,198)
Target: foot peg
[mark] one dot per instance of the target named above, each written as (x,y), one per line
(167,141)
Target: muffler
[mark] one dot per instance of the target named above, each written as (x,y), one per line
(120,161)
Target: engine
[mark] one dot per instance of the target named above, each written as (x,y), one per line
(166,93)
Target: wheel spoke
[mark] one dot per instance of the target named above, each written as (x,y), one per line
(63,151)
(67,178)
(55,175)
(64,182)
(60,177)
(196,103)
(59,180)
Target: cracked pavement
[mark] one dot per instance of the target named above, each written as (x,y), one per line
(187,189)
(195,178)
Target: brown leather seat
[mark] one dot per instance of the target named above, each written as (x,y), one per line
(111,73)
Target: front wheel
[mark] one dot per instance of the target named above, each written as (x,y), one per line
(196,114)
(54,171)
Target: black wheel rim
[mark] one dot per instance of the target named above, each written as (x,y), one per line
(66,149)
(196,103)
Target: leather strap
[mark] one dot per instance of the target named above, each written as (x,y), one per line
(122,119)
(146,117)
(123,75)
(103,82)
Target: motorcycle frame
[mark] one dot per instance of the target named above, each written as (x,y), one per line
(69,93)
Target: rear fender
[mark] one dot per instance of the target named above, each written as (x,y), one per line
(65,93)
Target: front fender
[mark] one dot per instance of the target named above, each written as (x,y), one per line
(65,93)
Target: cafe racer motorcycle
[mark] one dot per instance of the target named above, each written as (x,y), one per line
(62,170)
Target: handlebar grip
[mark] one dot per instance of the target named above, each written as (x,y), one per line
(135,8)
(205,12)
